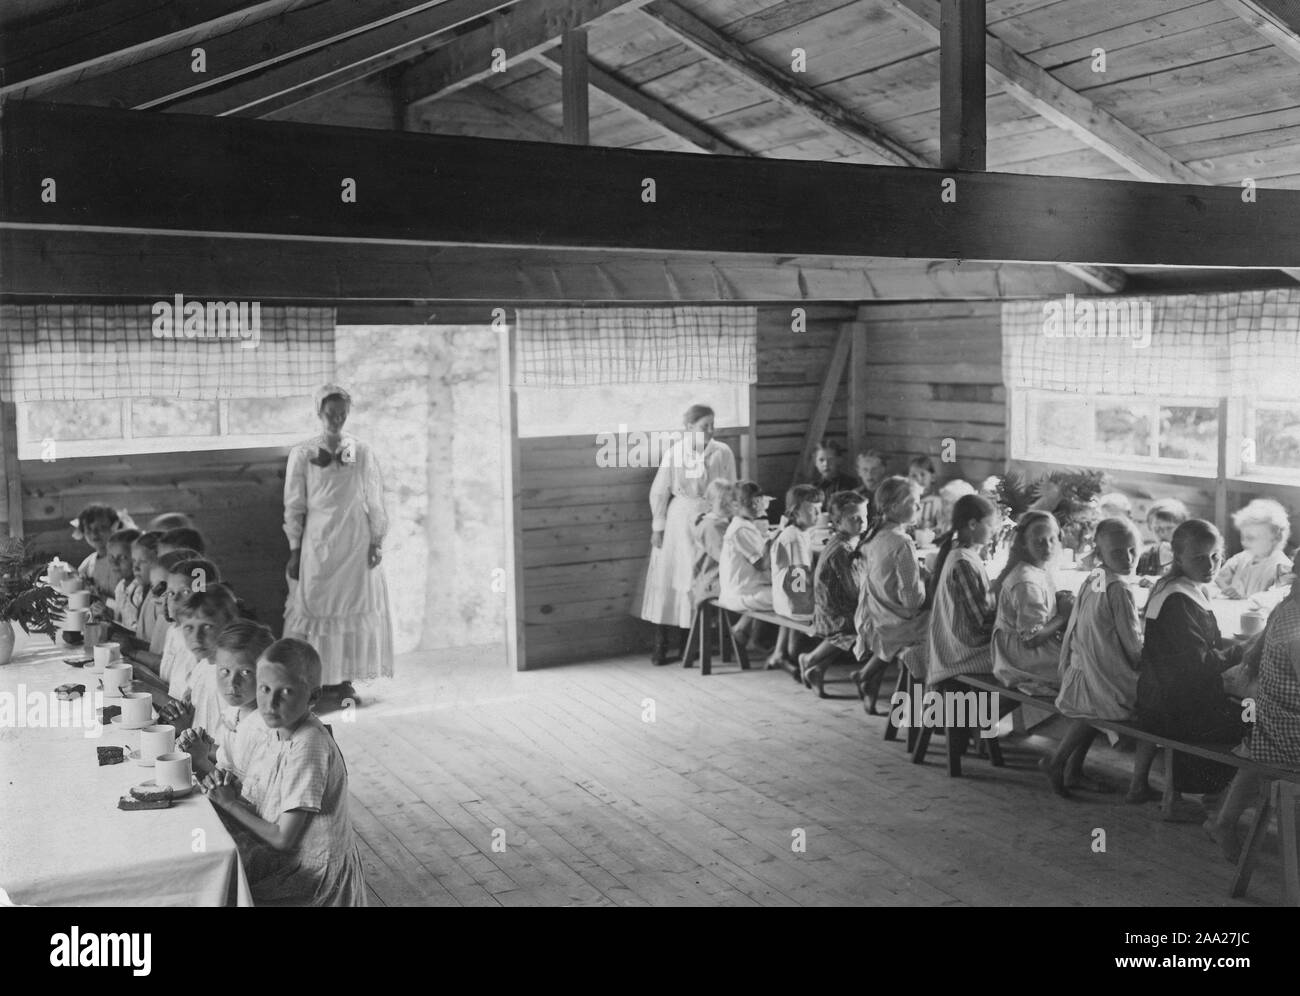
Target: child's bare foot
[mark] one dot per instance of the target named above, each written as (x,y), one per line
(777,661)
(1140,794)
(1083,783)
(1055,776)
(803,669)
(1226,837)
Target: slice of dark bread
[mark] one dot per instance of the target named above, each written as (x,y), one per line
(127,803)
(151,793)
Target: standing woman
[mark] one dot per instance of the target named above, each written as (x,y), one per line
(676,501)
(335,519)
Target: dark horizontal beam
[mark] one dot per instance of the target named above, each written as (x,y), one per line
(59,264)
(179,173)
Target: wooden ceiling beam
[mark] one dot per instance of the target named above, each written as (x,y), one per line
(1043,93)
(52,265)
(522,33)
(236,55)
(281,180)
(963,132)
(342,62)
(652,111)
(79,44)
(1276,20)
(774,85)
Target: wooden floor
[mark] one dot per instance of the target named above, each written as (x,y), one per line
(590,804)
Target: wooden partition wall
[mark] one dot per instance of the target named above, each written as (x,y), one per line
(234,496)
(931,383)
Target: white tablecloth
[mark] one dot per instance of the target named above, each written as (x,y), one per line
(64,842)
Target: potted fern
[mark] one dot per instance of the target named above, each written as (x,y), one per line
(24,598)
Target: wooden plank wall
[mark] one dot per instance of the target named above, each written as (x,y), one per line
(790,370)
(234,496)
(932,371)
(586,543)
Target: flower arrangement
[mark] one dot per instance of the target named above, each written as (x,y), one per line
(1071,496)
(24,599)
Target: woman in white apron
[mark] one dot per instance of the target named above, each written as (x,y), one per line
(335,519)
(676,501)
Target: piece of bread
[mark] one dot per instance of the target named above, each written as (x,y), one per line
(127,803)
(108,712)
(151,793)
(70,691)
(111,755)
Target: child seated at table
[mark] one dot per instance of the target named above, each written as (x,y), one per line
(929,505)
(139,594)
(1274,738)
(964,604)
(183,538)
(835,588)
(241,731)
(1115,505)
(95,525)
(871,469)
(1163,517)
(1100,654)
(829,476)
(1264,528)
(745,576)
(890,615)
(297,840)
(176,662)
(792,567)
(119,560)
(708,531)
(1180,685)
(1032,614)
(202,615)
(948,495)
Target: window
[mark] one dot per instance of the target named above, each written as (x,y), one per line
(61,429)
(581,411)
(1272,441)
(1177,435)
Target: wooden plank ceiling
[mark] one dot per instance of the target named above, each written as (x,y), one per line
(1193,91)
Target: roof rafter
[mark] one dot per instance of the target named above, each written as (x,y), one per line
(521,33)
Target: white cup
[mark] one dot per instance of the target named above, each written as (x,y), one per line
(79,600)
(106,654)
(116,678)
(155,742)
(71,585)
(1067,558)
(74,620)
(173,770)
(924,537)
(137,710)
(1252,622)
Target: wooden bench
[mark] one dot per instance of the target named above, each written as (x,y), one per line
(1282,796)
(699,625)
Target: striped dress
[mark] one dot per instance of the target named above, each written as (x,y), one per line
(961,619)
(835,592)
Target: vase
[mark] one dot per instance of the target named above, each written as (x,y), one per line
(7,639)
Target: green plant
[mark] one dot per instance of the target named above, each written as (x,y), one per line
(24,599)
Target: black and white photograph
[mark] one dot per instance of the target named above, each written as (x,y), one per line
(651,453)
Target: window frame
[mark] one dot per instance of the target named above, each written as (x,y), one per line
(129,444)
(1022,408)
(1256,473)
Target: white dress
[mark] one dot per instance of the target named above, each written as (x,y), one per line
(676,501)
(339,604)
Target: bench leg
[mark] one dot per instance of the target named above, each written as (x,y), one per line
(1288,794)
(1254,838)
(724,635)
(891,731)
(738,646)
(956,744)
(706,648)
(1167,798)
(699,627)
(995,752)
(922,745)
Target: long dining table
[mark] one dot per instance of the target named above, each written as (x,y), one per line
(63,839)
